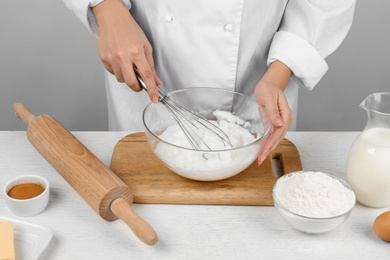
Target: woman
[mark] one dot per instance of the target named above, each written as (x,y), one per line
(261,48)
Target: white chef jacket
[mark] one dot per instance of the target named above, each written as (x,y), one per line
(226,44)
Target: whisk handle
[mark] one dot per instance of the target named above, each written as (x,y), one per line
(143,85)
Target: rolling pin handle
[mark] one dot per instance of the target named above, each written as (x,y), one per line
(122,209)
(23,113)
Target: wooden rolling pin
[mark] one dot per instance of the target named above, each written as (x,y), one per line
(109,196)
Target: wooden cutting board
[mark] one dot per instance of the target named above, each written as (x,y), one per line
(152,182)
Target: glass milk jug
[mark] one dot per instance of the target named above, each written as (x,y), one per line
(368,164)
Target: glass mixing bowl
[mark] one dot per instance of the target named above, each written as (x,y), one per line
(206,165)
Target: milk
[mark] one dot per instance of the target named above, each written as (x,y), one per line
(368,167)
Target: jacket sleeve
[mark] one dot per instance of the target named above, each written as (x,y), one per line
(82,9)
(311,30)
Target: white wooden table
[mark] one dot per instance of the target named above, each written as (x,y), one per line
(191,231)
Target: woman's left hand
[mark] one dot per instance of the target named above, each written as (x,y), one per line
(269,95)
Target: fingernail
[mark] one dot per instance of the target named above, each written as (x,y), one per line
(258,161)
(262,158)
(159,82)
(155,98)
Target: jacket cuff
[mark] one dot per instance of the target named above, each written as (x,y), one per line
(300,56)
(82,9)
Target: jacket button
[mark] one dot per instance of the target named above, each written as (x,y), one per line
(168,18)
(228,27)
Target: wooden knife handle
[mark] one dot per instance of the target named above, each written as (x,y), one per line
(122,209)
(23,113)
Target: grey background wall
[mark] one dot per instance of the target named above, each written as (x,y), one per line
(50,62)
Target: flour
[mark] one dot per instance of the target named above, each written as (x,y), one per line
(314,194)
(227,116)
(222,162)
(233,126)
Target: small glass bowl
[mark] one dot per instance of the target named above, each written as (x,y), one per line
(27,207)
(312,225)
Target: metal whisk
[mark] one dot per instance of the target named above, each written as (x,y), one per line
(190,123)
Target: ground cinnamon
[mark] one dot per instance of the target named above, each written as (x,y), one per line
(25,191)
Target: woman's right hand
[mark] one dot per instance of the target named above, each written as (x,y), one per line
(123,45)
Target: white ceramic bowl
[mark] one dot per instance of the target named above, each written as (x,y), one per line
(27,207)
(220,164)
(312,225)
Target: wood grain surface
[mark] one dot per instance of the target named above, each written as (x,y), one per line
(152,182)
(89,176)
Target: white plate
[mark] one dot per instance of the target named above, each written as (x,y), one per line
(30,239)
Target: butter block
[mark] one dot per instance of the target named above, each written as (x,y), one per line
(7,246)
